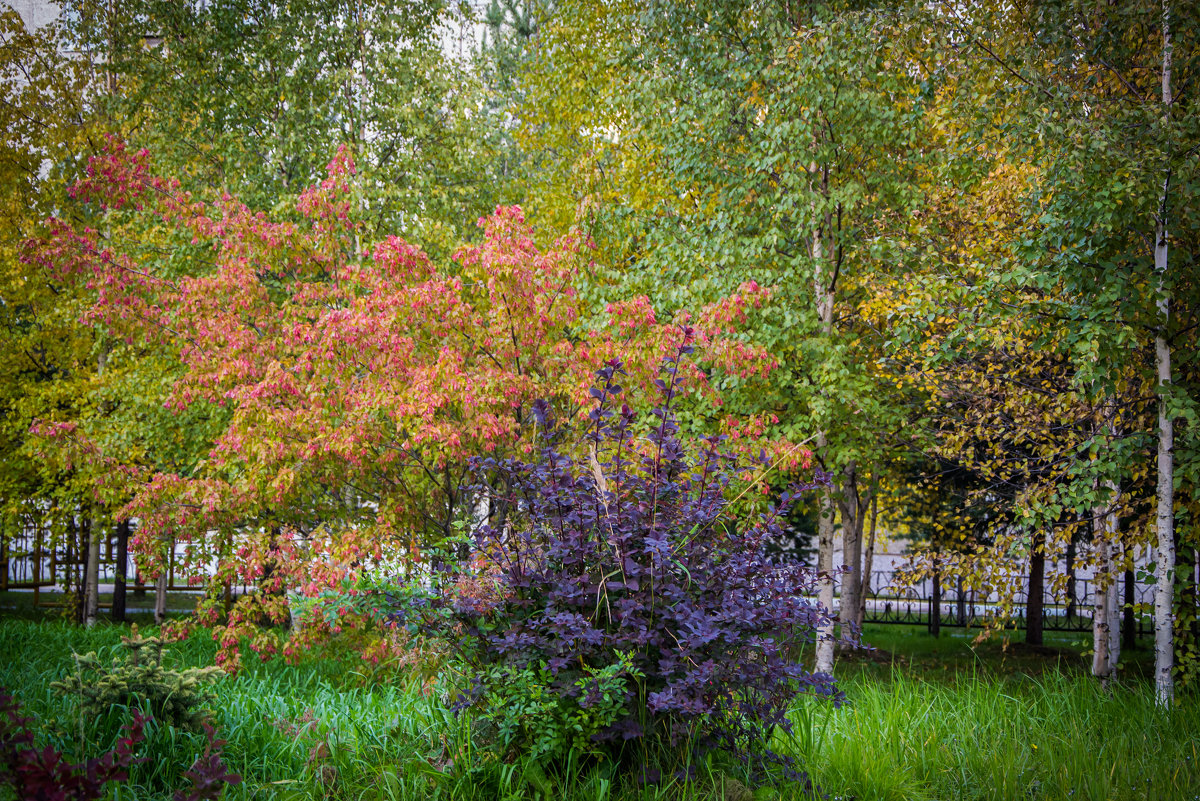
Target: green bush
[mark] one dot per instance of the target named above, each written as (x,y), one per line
(172,697)
(530,712)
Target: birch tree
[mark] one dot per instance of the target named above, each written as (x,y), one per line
(1164,576)
(788,155)
(1091,88)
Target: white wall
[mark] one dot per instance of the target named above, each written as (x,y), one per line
(34,13)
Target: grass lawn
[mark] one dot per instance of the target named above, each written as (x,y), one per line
(139,609)
(926,719)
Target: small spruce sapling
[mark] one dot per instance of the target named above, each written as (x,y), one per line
(174,697)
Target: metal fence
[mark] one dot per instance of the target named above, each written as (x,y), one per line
(890,601)
(33,558)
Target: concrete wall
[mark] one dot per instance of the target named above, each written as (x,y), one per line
(34,13)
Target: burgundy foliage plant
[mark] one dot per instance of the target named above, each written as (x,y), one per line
(42,774)
(627,555)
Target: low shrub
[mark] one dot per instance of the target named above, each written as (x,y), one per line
(619,609)
(208,776)
(42,774)
(45,774)
(174,697)
(527,707)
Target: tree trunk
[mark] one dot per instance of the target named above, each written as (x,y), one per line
(1164,618)
(868,561)
(935,604)
(1102,664)
(1112,607)
(1112,532)
(852,526)
(91,592)
(825,633)
(160,597)
(823,288)
(1129,629)
(1164,623)
(77,563)
(118,602)
(1035,602)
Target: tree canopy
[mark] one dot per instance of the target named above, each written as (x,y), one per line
(946,254)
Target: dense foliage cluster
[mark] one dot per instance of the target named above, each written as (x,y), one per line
(175,697)
(42,774)
(346,387)
(622,608)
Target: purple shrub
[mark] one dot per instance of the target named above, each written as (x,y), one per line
(208,775)
(44,775)
(628,555)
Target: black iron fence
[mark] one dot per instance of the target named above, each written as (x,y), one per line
(37,560)
(958,605)
(34,560)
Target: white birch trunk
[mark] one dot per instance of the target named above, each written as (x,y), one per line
(1164,619)
(1114,622)
(825,632)
(1101,617)
(1164,623)
(864,588)
(91,582)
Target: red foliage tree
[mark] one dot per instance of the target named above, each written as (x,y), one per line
(356,381)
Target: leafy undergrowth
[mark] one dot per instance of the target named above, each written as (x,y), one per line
(328,729)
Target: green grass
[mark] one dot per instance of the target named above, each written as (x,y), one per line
(930,719)
(1056,737)
(140,610)
(956,654)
